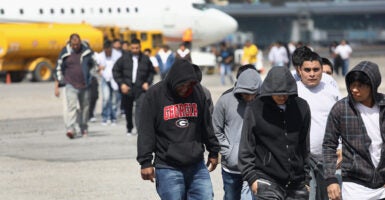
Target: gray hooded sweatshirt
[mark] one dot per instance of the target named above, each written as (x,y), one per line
(228,118)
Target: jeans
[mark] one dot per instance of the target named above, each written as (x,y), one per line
(268,190)
(74,97)
(226,70)
(128,106)
(345,67)
(192,183)
(109,101)
(235,188)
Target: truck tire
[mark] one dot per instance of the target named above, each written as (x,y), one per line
(43,72)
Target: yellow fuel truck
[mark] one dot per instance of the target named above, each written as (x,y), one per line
(34,47)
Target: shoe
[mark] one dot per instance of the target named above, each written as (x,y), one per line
(70,135)
(85,133)
(129,133)
(104,123)
(93,119)
(113,123)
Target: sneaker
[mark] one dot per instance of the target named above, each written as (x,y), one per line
(70,135)
(104,123)
(129,133)
(113,123)
(84,133)
(93,119)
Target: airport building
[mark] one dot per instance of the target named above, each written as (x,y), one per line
(315,22)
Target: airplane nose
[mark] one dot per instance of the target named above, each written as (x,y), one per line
(224,22)
(215,25)
(231,24)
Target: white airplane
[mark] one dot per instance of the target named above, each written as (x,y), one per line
(172,17)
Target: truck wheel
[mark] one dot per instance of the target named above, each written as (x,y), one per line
(17,76)
(42,72)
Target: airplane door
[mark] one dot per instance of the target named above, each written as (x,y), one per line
(168,17)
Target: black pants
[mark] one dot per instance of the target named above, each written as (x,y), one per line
(129,99)
(268,190)
(321,189)
(94,95)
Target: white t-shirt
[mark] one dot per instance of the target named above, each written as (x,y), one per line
(321,99)
(371,117)
(135,63)
(344,51)
(108,64)
(354,191)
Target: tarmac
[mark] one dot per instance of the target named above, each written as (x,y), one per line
(38,162)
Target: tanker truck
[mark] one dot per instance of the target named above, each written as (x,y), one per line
(34,47)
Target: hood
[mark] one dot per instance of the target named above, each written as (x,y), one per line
(249,82)
(279,81)
(181,71)
(372,71)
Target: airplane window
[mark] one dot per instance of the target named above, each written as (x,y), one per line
(118,9)
(127,10)
(1,11)
(62,11)
(72,10)
(200,6)
(133,36)
(143,36)
(52,11)
(136,9)
(82,10)
(101,10)
(21,11)
(109,10)
(41,11)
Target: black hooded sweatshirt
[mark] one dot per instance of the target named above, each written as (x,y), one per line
(175,128)
(274,143)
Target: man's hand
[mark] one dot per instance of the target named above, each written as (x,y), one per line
(148,173)
(334,191)
(124,88)
(145,86)
(254,187)
(339,158)
(57,89)
(212,164)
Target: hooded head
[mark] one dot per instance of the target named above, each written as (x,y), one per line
(366,73)
(181,74)
(279,81)
(249,83)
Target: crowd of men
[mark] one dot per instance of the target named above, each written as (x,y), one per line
(290,136)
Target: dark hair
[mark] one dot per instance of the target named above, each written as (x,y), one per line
(358,76)
(147,50)
(135,41)
(326,61)
(116,40)
(244,67)
(74,35)
(311,56)
(299,54)
(107,44)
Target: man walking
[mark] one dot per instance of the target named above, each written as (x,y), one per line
(176,126)
(274,148)
(134,73)
(227,123)
(75,67)
(359,120)
(321,97)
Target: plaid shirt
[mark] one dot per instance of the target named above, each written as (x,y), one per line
(345,121)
